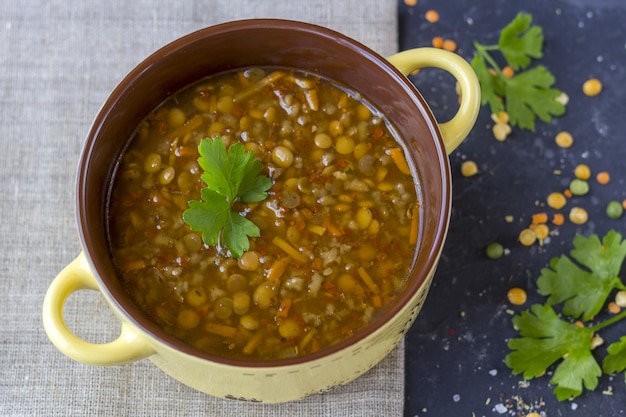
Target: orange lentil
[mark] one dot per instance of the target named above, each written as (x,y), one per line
(410,2)
(579,323)
(624,204)
(592,87)
(558,219)
(516,296)
(508,72)
(603,177)
(556,200)
(613,308)
(449,45)
(432,16)
(437,42)
(539,218)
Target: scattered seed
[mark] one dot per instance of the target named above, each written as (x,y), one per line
(437,42)
(527,237)
(469,168)
(582,172)
(592,87)
(614,210)
(620,298)
(603,177)
(432,16)
(508,72)
(494,250)
(449,45)
(578,215)
(596,341)
(613,308)
(564,139)
(516,296)
(541,231)
(558,219)
(579,187)
(556,200)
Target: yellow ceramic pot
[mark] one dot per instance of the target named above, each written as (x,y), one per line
(262,42)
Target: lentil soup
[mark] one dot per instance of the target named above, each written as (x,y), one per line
(338,232)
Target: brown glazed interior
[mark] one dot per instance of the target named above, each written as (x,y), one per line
(258,42)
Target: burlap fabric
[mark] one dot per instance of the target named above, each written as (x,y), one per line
(58,62)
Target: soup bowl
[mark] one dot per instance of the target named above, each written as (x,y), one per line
(237,45)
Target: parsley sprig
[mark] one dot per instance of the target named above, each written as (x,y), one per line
(581,284)
(527,94)
(231,175)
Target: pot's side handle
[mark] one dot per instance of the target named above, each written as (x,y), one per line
(455,130)
(129,345)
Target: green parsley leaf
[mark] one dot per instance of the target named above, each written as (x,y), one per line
(528,94)
(546,339)
(519,41)
(583,292)
(615,361)
(231,175)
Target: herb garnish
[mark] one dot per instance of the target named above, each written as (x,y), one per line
(527,94)
(231,175)
(581,283)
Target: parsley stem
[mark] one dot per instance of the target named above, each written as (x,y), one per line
(483,50)
(609,322)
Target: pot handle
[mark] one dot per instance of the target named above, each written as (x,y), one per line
(130,344)
(456,129)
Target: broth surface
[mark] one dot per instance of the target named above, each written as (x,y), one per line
(338,231)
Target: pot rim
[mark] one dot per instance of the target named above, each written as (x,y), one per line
(417,278)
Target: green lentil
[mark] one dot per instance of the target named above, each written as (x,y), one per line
(494,250)
(614,210)
(579,187)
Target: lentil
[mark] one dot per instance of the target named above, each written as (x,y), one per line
(517,296)
(469,168)
(449,45)
(603,177)
(613,308)
(432,16)
(578,215)
(558,219)
(592,87)
(579,187)
(437,42)
(556,200)
(508,72)
(494,250)
(564,139)
(614,210)
(527,237)
(582,172)
(620,298)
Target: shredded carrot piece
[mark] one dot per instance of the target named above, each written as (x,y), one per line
(414,231)
(332,229)
(277,269)
(192,124)
(133,265)
(398,158)
(367,279)
(253,343)
(306,339)
(377,301)
(283,310)
(221,330)
(290,250)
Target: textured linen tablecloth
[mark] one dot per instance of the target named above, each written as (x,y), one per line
(59,60)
